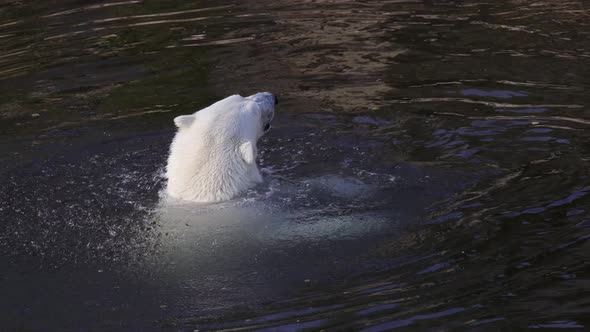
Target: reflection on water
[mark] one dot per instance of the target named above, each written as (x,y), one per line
(428,167)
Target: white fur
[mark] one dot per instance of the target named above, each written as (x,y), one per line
(213,155)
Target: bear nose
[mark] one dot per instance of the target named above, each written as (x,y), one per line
(276,100)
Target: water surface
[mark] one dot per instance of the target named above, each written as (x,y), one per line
(428,167)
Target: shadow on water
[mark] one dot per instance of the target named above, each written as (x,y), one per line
(428,167)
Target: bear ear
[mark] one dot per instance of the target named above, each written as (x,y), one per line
(184,121)
(248,152)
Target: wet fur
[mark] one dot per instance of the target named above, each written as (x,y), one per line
(213,155)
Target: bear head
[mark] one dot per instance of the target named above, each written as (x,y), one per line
(213,155)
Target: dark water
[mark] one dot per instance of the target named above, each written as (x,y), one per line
(428,168)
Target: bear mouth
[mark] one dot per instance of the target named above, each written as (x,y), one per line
(267,127)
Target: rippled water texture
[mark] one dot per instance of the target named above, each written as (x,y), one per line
(428,167)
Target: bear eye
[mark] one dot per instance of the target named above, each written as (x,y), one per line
(267,127)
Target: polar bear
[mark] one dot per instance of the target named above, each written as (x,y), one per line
(213,155)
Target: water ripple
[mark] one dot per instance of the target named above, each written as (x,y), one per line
(92,7)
